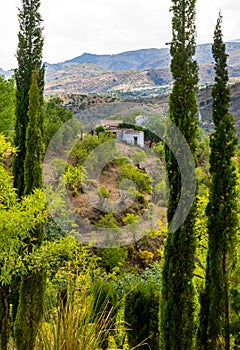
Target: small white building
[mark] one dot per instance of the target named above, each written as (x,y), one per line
(130,136)
(141,119)
(133,137)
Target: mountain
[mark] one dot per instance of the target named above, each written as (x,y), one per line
(68,83)
(7,73)
(142,59)
(131,60)
(234,41)
(73,72)
(140,69)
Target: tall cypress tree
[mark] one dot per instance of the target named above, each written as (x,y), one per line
(29,57)
(30,306)
(221,209)
(34,140)
(27,307)
(177,309)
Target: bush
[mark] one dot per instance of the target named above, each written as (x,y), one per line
(146,256)
(75,178)
(103,194)
(142,180)
(141,314)
(113,257)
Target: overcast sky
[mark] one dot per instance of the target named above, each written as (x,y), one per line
(72,27)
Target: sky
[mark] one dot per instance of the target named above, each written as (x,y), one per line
(73,27)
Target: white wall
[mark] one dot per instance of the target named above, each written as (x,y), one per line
(141,119)
(129,137)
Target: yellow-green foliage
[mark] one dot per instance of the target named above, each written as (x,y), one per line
(17,219)
(7,97)
(146,256)
(141,180)
(75,177)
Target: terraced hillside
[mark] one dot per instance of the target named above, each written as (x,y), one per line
(80,104)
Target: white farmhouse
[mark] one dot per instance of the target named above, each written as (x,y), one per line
(133,137)
(130,136)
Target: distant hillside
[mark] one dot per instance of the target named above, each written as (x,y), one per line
(109,106)
(141,69)
(68,83)
(204,100)
(75,71)
(6,73)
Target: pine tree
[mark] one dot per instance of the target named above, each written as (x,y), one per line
(29,57)
(177,308)
(222,207)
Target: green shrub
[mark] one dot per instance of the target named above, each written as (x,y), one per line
(113,257)
(103,194)
(142,180)
(141,315)
(75,178)
(138,157)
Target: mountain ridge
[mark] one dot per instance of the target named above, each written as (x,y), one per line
(142,59)
(136,69)
(145,68)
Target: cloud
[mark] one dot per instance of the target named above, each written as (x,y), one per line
(105,26)
(110,26)
(207,13)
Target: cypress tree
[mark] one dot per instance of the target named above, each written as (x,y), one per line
(29,57)
(34,140)
(30,310)
(30,306)
(177,307)
(222,207)
(27,306)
